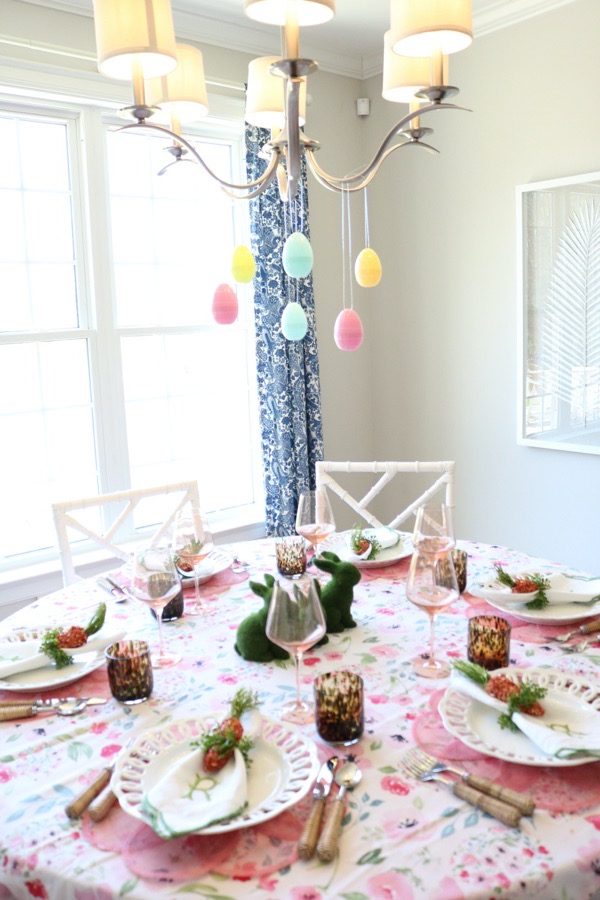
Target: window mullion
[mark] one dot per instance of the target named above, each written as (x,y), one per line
(104,345)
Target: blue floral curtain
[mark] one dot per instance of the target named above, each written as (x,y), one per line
(288,371)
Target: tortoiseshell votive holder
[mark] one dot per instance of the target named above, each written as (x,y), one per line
(339,707)
(489,642)
(290,553)
(129,671)
(459,560)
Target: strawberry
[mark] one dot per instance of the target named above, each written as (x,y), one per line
(361,546)
(214,760)
(73,637)
(233,726)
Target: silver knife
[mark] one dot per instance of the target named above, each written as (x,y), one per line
(107,584)
(53,702)
(310,834)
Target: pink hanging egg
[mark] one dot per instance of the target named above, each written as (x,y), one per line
(225,305)
(348,330)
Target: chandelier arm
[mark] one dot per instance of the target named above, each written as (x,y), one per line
(340,184)
(363,177)
(260,182)
(250,195)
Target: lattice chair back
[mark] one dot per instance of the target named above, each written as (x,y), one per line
(65,518)
(443,482)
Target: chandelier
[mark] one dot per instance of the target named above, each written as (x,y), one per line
(136,42)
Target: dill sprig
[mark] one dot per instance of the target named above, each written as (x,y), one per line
(527,696)
(50,647)
(242,701)
(472,670)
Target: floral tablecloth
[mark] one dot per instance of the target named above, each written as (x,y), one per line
(401,839)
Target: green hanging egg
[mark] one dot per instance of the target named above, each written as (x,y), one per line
(294,324)
(297,256)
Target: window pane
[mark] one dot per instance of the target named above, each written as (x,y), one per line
(47,447)
(172,234)
(178,425)
(37,274)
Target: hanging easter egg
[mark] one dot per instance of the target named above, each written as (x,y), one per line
(348,330)
(297,256)
(243,267)
(225,305)
(367,268)
(293,322)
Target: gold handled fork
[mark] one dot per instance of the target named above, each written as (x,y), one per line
(586,628)
(504,812)
(523,802)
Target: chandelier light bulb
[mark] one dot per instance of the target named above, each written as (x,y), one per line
(297,257)
(225,305)
(348,330)
(243,266)
(294,323)
(367,268)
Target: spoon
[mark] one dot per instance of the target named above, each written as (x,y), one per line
(348,777)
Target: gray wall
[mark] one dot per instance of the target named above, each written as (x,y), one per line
(444,370)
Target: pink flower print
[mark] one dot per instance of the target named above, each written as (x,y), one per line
(5,775)
(389,886)
(98,727)
(110,750)
(448,889)
(502,880)
(227,679)
(311,660)
(385,651)
(593,820)
(36,889)
(334,654)
(394,785)
(385,611)
(266,883)
(587,854)
(305,893)
(93,893)
(378,698)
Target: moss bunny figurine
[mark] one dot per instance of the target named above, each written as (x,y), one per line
(336,595)
(251,641)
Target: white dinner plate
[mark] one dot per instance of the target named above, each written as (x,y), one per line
(476,724)
(563,590)
(216,561)
(284,765)
(49,678)
(340,544)
(553,614)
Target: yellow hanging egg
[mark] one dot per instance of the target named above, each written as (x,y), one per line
(243,266)
(367,268)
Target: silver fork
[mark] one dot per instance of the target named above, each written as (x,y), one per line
(428,764)
(586,628)
(505,813)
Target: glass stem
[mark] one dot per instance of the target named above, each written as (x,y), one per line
(197,589)
(432,636)
(161,646)
(298,656)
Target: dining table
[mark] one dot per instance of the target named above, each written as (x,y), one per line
(401,838)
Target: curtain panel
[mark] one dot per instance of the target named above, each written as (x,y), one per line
(287,371)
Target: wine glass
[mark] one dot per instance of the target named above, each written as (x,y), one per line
(192,542)
(296,622)
(314,517)
(432,586)
(155,581)
(433,532)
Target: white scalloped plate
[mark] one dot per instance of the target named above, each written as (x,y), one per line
(554,614)
(216,561)
(476,724)
(284,766)
(340,544)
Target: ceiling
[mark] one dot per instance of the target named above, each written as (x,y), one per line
(351,44)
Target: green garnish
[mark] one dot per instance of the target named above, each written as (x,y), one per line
(527,696)
(225,742)
(539,581)
(243,700)
(359,540)
(50,647)
(97,620)
(472,671)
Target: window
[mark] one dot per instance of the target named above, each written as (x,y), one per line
(114,373)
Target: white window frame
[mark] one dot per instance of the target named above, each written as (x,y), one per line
(86,125)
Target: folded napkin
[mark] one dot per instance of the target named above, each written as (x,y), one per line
(563,589)
(566,730)
(24,656)
(186,799)
(385,537)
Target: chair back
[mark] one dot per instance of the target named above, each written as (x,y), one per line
(444,470)
(66,519)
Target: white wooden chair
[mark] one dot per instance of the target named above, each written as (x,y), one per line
(444,482)
(66,520)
